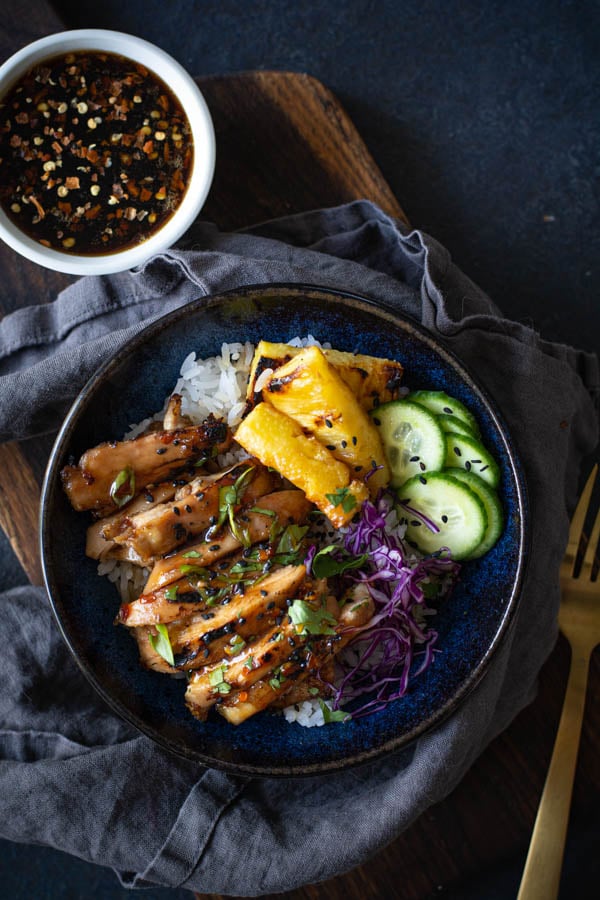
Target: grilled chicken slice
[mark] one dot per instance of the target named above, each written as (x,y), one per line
(286,507)
(259,658)
(197,590)
(178,602)
(151,458)
(222,623)
(313,685)
(195,510)
(312,657)
(100,546)
(173,417)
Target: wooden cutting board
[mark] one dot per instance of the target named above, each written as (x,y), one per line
(284,144)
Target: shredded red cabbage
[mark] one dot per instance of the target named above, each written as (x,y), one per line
(387,649)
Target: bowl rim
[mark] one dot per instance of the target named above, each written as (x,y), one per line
(187,91)
(502,627)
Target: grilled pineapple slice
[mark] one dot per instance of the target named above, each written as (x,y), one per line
(309,390)
(372,380)
(280,442)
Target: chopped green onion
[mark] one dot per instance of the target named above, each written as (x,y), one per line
(161,644)
(122,490)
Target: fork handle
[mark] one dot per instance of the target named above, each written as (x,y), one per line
(541,875)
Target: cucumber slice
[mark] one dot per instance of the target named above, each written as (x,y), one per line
(456,425)
(413,441)
(493,508)
(452,506)
(442,404)
(465,452)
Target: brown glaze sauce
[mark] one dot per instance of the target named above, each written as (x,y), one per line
(95,153)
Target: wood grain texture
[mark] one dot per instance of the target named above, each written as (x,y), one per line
(285,145)
(24,282)
(19,508)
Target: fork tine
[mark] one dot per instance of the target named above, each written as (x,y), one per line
(590,553)
(578,520)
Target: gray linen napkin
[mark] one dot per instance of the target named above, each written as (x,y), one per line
(75,777)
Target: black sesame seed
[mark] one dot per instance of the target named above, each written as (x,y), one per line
(187,508)
(422,466)
(422,479)
(355,441)
(212,520)
(176,510)
(415,523)
(483,468)
(457,451)
(448,411)
(345,443)
(214,548)
(271,605)
(161,450)
(357,468)
(263,593)
(330,446)
(148,497)
(199,495)
(474,461)
(329,423)
(414,459)
(444,519)
(241,621)
(376,420)
(468,466)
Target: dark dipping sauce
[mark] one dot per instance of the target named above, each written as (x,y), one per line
(95,153)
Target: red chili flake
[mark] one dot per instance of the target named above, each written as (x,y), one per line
(85,111)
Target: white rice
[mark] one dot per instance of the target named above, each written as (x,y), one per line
(216,385)
(308,713)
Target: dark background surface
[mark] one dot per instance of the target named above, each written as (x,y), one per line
(483,117)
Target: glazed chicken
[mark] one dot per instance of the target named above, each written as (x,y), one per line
(148,459)
(228,601)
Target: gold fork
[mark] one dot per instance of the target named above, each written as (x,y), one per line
(579,620)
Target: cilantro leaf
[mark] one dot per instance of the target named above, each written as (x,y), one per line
(289,550)
(311,621)
(333,715)
(342,497)
(324,564)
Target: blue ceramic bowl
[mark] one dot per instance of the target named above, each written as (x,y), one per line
(133,385)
